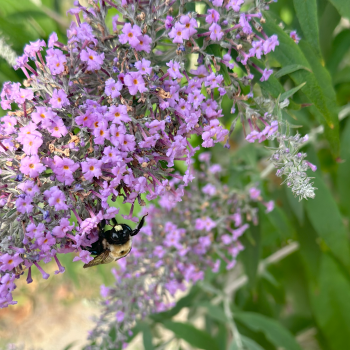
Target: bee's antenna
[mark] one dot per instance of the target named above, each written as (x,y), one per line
(139,226)
(114,221)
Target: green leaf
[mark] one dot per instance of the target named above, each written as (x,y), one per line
(192,335)
(248,344)
(331,303)
(325,217)
(280,221)
(290,69)
(342,6)
(291,92)
(213,311)
(340,46)
(318,87)
(250,256)
(273,331)
(306,11)
(147,335)
(344,170)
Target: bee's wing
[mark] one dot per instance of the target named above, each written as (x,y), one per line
(103,258)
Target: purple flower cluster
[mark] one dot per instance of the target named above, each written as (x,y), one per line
(107,114)
(177,247)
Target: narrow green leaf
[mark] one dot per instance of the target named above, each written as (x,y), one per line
(325,217)
(291,92)
(318,87)
(250,256)
(273,331)
(248,344)
(306,11)
(192,335)
(279,220)
(344,170)
(340,46)
(213,311)
(290,69)
(147,335)
(331,303)
(342,6)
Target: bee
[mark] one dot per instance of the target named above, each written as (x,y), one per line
(113,244)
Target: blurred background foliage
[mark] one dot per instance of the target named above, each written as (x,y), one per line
(297,259)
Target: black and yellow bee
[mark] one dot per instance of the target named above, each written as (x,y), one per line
(112,244)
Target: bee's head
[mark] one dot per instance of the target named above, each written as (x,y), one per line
(120,234)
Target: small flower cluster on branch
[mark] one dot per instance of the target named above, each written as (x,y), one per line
(176,248)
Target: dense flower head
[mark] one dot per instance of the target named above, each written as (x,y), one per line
(175,250)
(107,115)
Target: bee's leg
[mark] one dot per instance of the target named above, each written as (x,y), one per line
(139,226)
(101,225)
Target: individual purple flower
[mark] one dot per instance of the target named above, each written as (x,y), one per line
(213,16)
(57,199)
(235,5)
(92,58)
(9,124)
(118,114)
(178,33)
(209,189)
(215,168)
(269,206)
(8,262)
(34,47)
(213,80)
(217,3)
(216,33)
(257,49)
(144,66)
(59,99)
(44,116)
(119,316)
(57,128)
(190,25)
(270,44)
(30,143)
(168,22)
(113,88)
(31,166)
(270,129)
(45,242)
(254,135)
(130,34)
(293,34)
(174,69)
(84,256)
(144,44)
(55,61)
(24,205)
(29,188)
(311,166)
(91,168)
(205,223)
(254,193)
(135,83)
(53,38)
(247,29)
(266,74)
